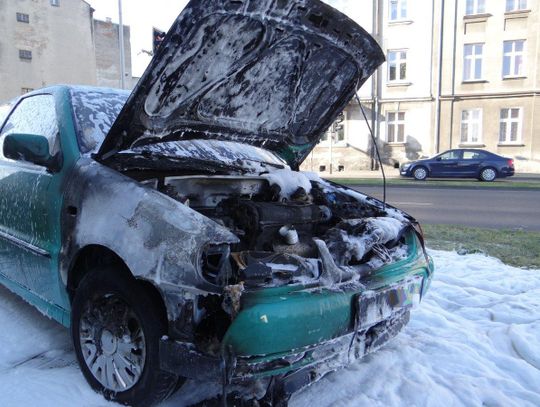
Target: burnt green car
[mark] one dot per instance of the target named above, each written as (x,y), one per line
(172,230)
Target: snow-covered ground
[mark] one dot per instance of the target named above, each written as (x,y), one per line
(474,341)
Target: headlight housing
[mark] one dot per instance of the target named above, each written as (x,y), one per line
(215,265)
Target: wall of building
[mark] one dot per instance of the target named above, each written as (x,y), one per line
(412,95)
(59,38)
(106,37)
(433,118)
(492,91)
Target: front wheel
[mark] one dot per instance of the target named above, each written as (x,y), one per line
(116,327)
(420,173)
(488,174)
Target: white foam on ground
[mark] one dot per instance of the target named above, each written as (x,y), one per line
(473,341)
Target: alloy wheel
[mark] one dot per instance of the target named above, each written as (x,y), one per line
(420,173)
(112,343)
(488,174)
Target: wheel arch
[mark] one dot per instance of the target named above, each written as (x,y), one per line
(424,165)
(484,166)
(92,256)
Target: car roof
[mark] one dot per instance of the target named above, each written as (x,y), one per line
(79,88)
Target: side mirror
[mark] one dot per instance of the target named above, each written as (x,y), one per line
(30,148)
(439,159)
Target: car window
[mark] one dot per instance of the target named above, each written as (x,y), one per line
(95,112)
(450,155)
(473,155)
(33,115)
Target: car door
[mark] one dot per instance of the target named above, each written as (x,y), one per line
(26,223)
(446,164)
(469,164)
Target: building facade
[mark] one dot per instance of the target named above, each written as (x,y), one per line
(109,72)
(459,73)
(47,42)
(490,94)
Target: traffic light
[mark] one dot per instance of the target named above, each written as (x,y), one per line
(158,37)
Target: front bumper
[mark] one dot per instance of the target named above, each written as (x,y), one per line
(292,336)
(405,172)
(289,377)
(374,317)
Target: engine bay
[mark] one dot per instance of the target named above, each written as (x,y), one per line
(297,236)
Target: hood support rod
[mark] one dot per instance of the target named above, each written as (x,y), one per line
(375,145)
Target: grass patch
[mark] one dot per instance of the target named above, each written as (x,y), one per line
(502,183)
(514,247)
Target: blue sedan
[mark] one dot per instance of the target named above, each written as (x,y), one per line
(460,163)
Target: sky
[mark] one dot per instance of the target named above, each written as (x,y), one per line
(141,16)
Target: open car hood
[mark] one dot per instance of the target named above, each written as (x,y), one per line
(270,73)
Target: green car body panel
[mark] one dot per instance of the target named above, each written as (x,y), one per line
(35,200)
(278,320)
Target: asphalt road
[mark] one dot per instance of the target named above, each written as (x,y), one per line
(488,208)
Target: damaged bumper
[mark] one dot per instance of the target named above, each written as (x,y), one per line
(299,336)
(293,371)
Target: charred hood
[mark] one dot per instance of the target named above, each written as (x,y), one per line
(271,73)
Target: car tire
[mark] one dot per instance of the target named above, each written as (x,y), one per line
(116,327)
(488,174)
(420,173)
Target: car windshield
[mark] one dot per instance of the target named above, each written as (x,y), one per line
(95,111)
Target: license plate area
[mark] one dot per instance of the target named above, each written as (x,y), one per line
(373,307)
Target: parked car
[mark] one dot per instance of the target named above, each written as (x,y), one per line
(171,229)
(461,163)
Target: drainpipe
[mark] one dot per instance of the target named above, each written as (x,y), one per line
(454,51)
(439,80)
(331,139)
(121,43)
(376,84)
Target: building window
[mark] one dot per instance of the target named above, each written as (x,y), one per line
(398,10)
(55,3)
(397,65)
(396,127)
(26,90)
(471,126)
(516,5)
(25,54)
(513,58)
(472,62)
(510,126)
(475,7)
(23,18)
